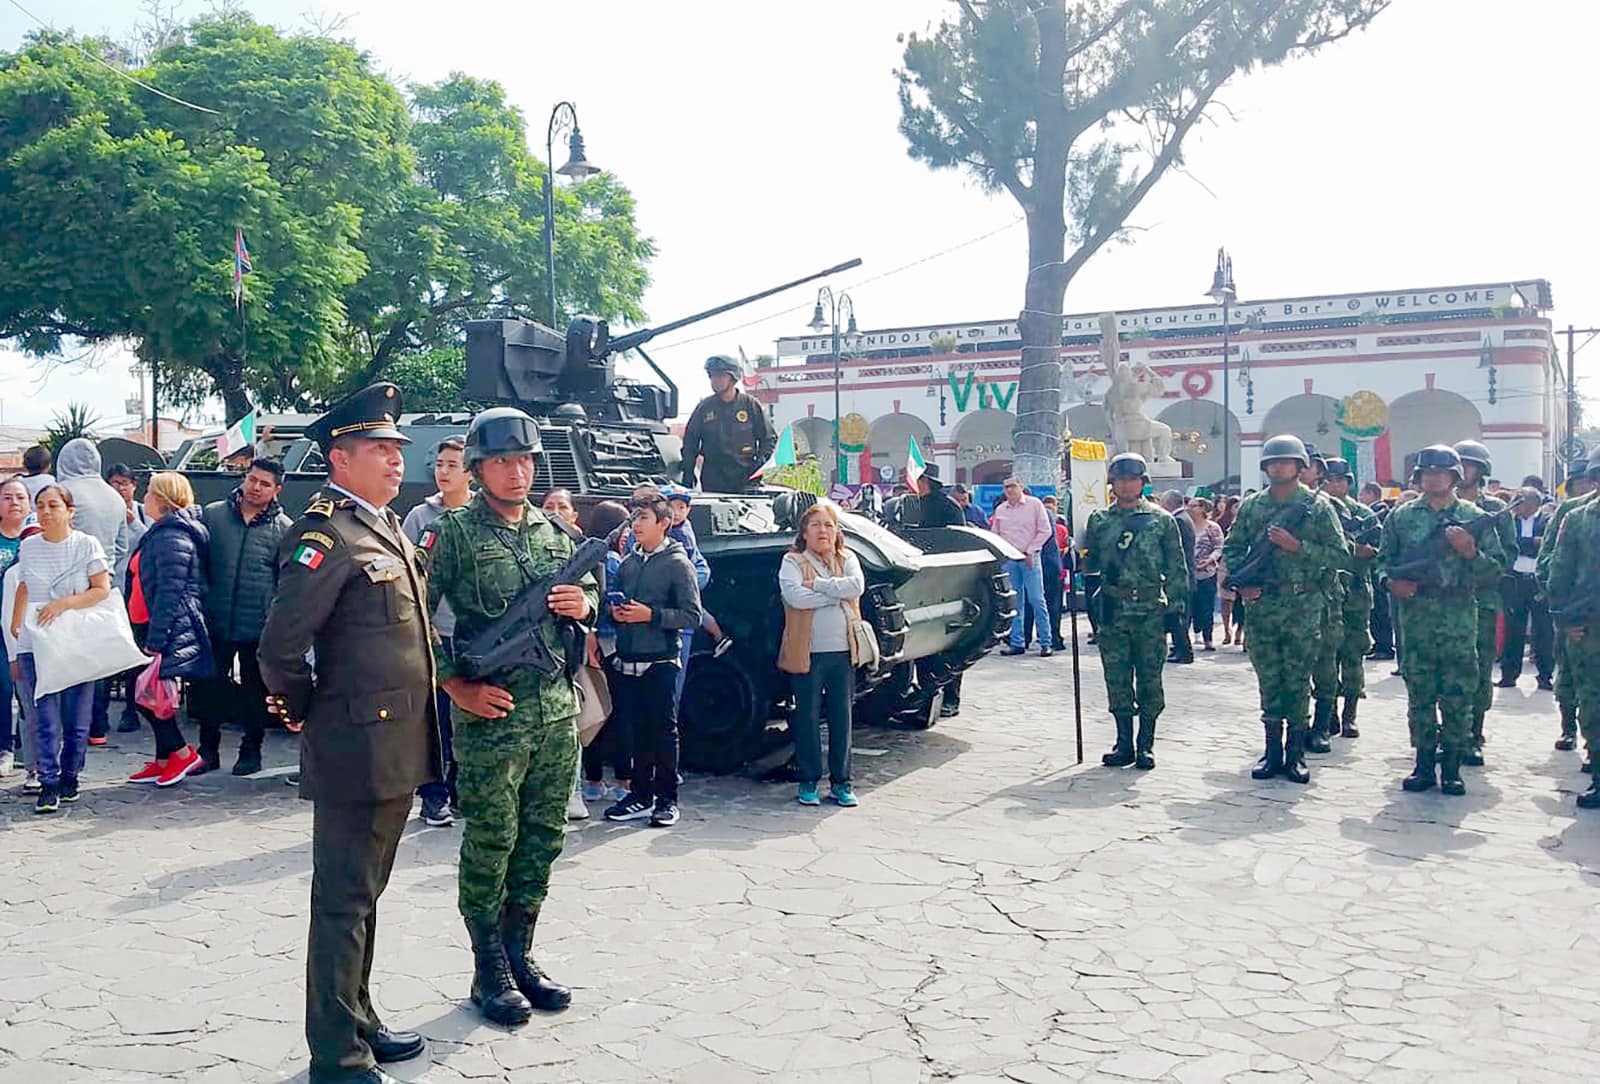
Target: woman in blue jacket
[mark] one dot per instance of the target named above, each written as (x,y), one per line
(167,587)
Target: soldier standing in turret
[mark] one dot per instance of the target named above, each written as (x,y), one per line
(1439,619)
(1134,551)
(1359,522)
(1286,612)
(730,430)
(1475,467)
(516,743)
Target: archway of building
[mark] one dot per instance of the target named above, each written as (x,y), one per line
(1197,439)
(1428,416)
(814,436)
(983,439)
(889,442)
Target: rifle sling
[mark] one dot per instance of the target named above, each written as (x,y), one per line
(1111,568)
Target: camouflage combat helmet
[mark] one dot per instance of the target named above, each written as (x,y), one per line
(1339,468)
(1284,447)
(500,431)
(1127,465)
(1439,457)
(1472,451)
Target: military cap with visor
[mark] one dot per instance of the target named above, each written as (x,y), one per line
(501,431)
(369,414)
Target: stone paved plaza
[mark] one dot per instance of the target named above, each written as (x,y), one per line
(991,912)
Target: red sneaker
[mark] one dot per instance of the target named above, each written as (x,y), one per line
(294,728)
(178,766)
(148,774)
(101,740)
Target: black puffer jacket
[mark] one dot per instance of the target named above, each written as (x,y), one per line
(242,568)
(172,563)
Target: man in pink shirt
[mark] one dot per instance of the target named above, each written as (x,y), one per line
(1021,520)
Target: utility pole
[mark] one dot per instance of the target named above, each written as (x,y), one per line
(1572,374)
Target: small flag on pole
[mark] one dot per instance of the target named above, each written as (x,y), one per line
(241,266)
(914,463)
(782,454)
(240,435)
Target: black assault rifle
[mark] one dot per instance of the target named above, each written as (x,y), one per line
(512,639)
(1425,565)
(1362,532)
(1257,568)
(1582,609)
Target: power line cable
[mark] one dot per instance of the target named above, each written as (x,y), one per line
(112,67)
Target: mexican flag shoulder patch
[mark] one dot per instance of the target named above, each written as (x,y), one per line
(308,555)
(426,539)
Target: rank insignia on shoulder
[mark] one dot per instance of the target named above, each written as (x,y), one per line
(308,555)
(322,508)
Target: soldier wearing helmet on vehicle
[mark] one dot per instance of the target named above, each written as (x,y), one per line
(1295,540)
(516,744)
(729,430)
(1133,554)
(1475,467)
(1439,613)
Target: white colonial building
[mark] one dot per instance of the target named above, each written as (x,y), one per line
(1372,375)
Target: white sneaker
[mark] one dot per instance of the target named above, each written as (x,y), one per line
(576,810)
(31,785)
(8,763)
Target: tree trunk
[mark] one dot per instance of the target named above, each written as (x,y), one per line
(1036,437)
(227,375)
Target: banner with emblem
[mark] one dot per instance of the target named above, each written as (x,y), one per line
(1088,458)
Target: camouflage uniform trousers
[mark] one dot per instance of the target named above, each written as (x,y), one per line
(1325,674)
(1584,656)
(515,775)
(1354,643)
(1133,649)
(1566,681)
(1285,639)
(1441,650)
(1486,655)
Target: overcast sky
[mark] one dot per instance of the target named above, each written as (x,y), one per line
(1446,145)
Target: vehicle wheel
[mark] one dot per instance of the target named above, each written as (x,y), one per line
(885,700)
(922,713)
(722,712)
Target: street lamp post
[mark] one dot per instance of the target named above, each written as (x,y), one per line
(836,303)
(565,114)
(1222,291)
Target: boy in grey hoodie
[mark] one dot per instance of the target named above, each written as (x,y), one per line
(100,512)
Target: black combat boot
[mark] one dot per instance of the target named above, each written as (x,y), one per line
(1423,776)
(1590,799)
(1294,755)
(1472,755)
(516,930)
(1122,755)
(1271,762)
(1450,771)
(1321,727)
(1143,758)
(494,990)
(1569,728)
(1347,721)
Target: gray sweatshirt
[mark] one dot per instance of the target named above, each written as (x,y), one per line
(444,621)
(825,598)
(100,511)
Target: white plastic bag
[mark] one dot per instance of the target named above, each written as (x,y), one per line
(83,645)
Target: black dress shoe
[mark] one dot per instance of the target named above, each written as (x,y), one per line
(1045,652)
(1008,650)
(1506,683)
(1380,655)
(391,1046)
(1546,685)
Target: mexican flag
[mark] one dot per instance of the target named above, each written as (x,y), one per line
(915,464)
(782,454)
(240,435)
(308,555)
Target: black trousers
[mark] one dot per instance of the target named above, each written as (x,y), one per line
(1525,610)
(1382,620)
(650,707)
(352,852)
(1178,630)
(221,699)
(1203,607)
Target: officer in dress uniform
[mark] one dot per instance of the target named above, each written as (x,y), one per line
(350,590)
(729,429)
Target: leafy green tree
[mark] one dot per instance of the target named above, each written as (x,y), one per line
(376,225)
(432,380)
(78,420)
(1076,111)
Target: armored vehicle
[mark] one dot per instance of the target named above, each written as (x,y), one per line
(938,599)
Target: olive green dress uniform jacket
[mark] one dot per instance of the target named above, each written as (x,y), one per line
(350,588)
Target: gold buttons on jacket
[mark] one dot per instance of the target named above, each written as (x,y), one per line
(383,713)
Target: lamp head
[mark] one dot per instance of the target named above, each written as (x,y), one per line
(818,323)
(578,166)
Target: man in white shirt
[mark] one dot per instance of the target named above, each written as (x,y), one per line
(1524,608)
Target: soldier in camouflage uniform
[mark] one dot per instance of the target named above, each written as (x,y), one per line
(1574,586)
(1439,619)
(1285,613)
(1583,477)
(1475,467)
(1325,670)
(516,743)
(1362,531)
(1133,553)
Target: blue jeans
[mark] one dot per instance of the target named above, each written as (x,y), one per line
(1028,583)
(10,734)
(61,728)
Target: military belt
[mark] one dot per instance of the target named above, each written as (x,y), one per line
(1134,593)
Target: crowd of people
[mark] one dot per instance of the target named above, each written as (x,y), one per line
(195,585)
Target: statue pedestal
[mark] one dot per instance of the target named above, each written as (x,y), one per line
(1164,475)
